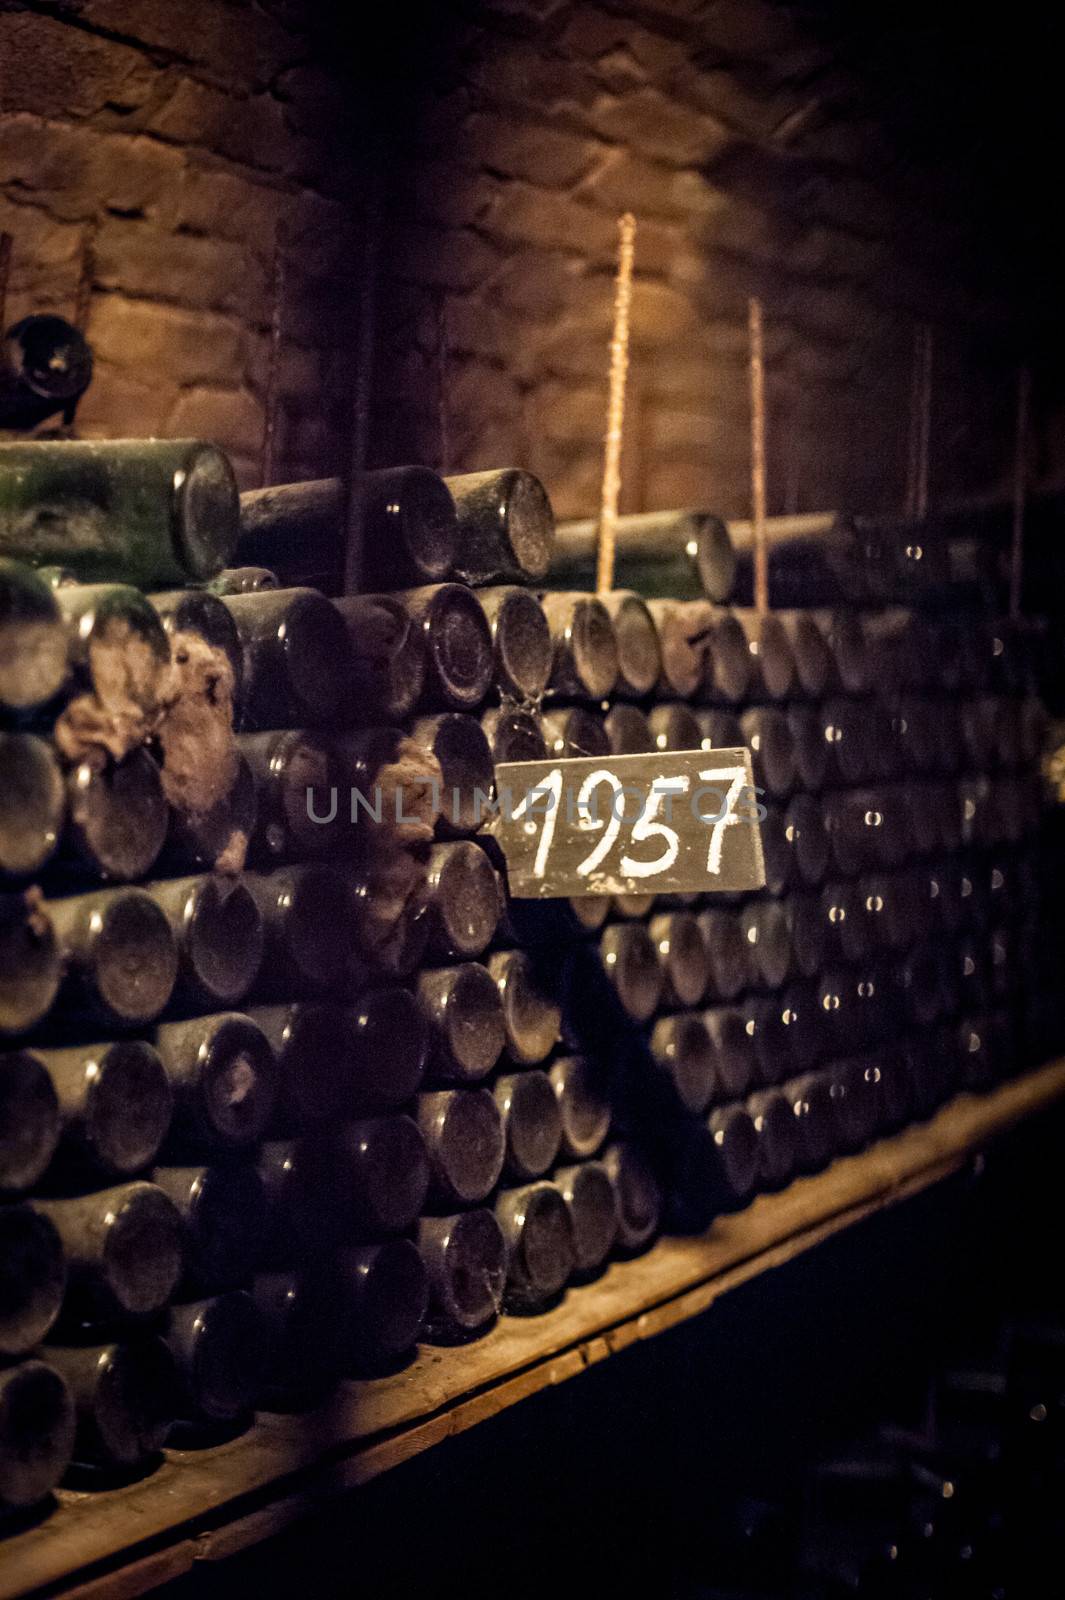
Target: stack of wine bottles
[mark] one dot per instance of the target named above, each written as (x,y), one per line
(289,1082)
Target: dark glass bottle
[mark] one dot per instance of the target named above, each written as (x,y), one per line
(630,960)
(813,659)
(33,639)
(126,1397)
(458,645)
(861,829)
(244,580)
(203,614)
(674,726)
(32,803)
(117,645)
(775,1125)
(383,1292)
(683,954)
(33,1275)
(532,1123)
(36,1432)
(767,733)
(809,745)
(574,731)
(215,839)
(639,652)
(685,630)
(584,1105)
(806,835)
(592,1203)
(124,1249)
(459,744)
(304,1356)
(30,1120)
(639,1196)
(310,921)
(45,367)
(302,803)
(117,816)
(115,1104)
(539,1238)
(464,1136)
(585,651)
(146,511)
(628,730)
(735,1139)
(297,658)
(31,962)
(809,931)
(466,1259)
(684,554)
(463,1008)
(735,1065)
(465,900)
(224,1212)
(313,1048)
(682,1056)
(219,931)
(728,953)
(219,1349)
(376,1173)
(767,931)
(122,958)
(521,641)
(388,660)
(410,533)
(514,735)
(774,671)
(224,1076)
(810,1098)
(531,1014)
(506,527)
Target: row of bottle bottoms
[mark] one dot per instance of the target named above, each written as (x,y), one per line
(104,1266)
(296,657)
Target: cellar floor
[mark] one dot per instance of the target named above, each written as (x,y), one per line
(208,1504)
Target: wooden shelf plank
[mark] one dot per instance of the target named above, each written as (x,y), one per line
(207,1504)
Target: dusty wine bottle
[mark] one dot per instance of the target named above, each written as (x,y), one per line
(639,652)
(773,669)
(681,1055)
(678,554)
(115,1105)
(204,615)
(219,931)
(806,836)
(464,900)
(727,953)
(224,1076)
(513,735)
(410,533)
(30,1121)
(304,1356)
(639,1196)
(244,580)
(122,958)
(628,730)
(215,839)
(224,1212)
(585,650)
(125,1398)
(674,727)
(539,1239)
(297,664)
(117,816)
(145,511)
(574,731)
(531,1123)
(117,644)
(465,1258)
(310,922)
(685,959)
(219,1349)
(767,733)
(593,1213)
(31,962)
(582,1091)
(383,1293)
(33,640)
(506,528)
(32,804)
(734,1063)
(458,645)
(684,631)
(36,1432)
(376,1172)
(767,931)
(521,641)
(809,933)
(463,1008)
(313,1048)
(464,1137)
(810,748)
(736,1141)
(124,1249)
(775,1125)
(33,1277)
(387,652)
(813,659)
(459,744)
(531,1014)
(45,367)
(814,559)
(631,962)
(298,779)
(810,1098)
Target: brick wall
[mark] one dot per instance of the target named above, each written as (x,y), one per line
(177,134)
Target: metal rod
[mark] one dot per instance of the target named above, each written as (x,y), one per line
(1020,486)
(761,551)
(619,363)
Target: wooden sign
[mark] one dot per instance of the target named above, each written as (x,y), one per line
(666,822)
